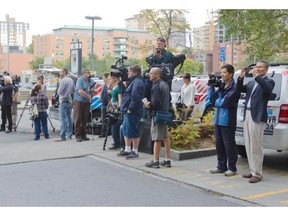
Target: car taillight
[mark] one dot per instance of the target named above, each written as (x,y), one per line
(197,99)
(53,101)
(283,115)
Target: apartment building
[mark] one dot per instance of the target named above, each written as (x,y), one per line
(107,41)
(13,34)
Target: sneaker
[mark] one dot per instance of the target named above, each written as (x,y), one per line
(132,155)
(70,137)
(152,164)
(78,139)
(59,139)
(229,173)
(123,153)
(85,138)
(113,148)
(165,163)
(217,171)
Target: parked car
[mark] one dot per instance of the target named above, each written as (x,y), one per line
(276,129)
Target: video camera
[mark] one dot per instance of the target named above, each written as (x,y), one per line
(113,117)
(247,72)
(159,51)
(214,80)
(120,69)
(15,79)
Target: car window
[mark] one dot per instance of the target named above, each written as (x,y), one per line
(177,85)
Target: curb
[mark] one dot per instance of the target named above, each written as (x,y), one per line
(189,154)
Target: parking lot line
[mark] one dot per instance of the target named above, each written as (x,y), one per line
(261,195)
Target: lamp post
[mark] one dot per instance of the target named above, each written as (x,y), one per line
(92,46)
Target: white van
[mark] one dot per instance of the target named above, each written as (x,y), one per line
(276,130)
(202,103)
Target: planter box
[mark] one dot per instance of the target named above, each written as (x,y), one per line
(189,154)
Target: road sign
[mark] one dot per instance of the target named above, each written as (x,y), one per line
(222,58)
(222,54)
(222,49)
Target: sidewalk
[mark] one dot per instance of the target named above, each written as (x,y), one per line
(272,191)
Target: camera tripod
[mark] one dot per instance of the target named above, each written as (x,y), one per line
(23,110)
(107,124)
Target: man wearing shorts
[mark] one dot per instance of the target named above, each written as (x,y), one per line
(132,109)
(160,99)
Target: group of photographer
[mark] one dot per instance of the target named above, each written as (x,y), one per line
(123,94)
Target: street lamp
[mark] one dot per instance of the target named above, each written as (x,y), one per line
(92,46)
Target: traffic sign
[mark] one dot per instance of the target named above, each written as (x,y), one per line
(222,49)
(222,57)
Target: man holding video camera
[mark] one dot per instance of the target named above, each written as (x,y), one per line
(224,97)
(132,109)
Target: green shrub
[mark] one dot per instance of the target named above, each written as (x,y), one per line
(206,127)
(186,135)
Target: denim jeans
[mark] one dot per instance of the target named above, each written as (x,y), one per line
(41,121)
(65,109)
(116,133)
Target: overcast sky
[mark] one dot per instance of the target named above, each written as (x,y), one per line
(46,15)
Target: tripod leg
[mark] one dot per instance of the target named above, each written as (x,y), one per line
(53,128)
(106,134)
(26,103)
(92,125)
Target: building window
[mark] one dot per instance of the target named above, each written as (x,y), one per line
(59,39)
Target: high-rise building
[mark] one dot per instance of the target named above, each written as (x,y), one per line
(13,35)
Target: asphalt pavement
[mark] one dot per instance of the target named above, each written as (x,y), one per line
(19,147)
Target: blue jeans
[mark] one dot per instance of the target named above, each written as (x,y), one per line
(65,109)
(116,133)
(41,121)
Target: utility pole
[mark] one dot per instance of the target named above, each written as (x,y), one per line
(92,42)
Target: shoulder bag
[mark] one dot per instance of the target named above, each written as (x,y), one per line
(163,117)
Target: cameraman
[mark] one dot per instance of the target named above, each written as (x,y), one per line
(225,99)
(160,54)
(6,103)
(132,109)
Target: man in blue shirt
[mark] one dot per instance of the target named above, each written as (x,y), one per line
(82,101)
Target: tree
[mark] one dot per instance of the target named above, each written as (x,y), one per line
(30,48)
(192,67)
(34,64)
(164,22)
(264,32)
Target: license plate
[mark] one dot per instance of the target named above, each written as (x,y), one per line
(242,111)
